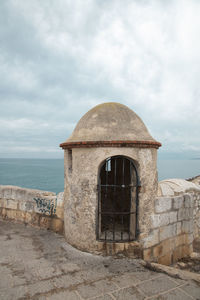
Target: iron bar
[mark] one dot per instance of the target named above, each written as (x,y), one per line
(113,228)
(122,226)
(117,185)
(117,213)
(115,196)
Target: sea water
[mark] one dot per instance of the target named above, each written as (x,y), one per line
(42,174)
(48,174)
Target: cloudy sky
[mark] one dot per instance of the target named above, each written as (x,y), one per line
(59,58)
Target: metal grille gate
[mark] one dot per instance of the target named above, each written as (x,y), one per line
(117,200)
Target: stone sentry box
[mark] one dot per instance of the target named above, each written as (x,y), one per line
(110,181)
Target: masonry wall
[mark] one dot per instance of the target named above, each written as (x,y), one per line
(34,207)
(175,224)
(81,195)
(173,220)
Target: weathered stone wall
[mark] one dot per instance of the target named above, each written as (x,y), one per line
(175,222)
(81,194)
(195,180)
(34,207)
(168,222)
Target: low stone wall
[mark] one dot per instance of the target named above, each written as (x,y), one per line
(34,207)
(175,218)
(175,222)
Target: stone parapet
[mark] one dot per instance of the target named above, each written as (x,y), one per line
(34,207)
(175,222)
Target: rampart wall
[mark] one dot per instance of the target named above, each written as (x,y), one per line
(175,222)
(34,207)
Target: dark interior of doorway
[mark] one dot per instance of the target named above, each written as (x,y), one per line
(117,200)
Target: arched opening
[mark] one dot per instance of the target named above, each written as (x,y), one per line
(117,200)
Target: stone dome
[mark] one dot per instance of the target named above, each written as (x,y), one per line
(110,122)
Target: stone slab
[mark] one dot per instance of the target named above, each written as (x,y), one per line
(130,293)
(157,285)
(39,264)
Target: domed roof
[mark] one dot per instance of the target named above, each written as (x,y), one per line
(110,122)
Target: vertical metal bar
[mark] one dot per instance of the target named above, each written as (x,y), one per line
(123,191)
(137,200)
(115,176)
(122,227)
(98,213)
(106,169)
(99,207)
(113,227)
(123,171)
(130,196)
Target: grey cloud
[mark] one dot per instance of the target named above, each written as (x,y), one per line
(59,59)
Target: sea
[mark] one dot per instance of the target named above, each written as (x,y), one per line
(48,174)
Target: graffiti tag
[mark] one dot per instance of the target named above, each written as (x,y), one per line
(46,206)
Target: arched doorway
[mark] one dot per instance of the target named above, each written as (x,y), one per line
(117,200)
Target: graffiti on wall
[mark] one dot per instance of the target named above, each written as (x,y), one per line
(46,206)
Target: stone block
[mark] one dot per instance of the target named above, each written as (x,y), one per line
(32,218)
(133,249)
(152,239)
(163,248)
(183,214)
(187,226)
(60,212)
(173,216)
(166,190)
(163,204)
(188,200)
(3,202)
(187,213)
(165,259)
(11,214)
(45,222)
(97,288)
(158,250)
(168,231)
(179,227)
(178,202)
(57,225)
(186,250)
(177,254)
(190,238)
(190,246)
(180,240)
(26,206)
(160,220)
(191,213)
(20,215)
(28,217)
(3,212)
(13,204)
(60,199)
(182,251)
(147,254)
(5,191)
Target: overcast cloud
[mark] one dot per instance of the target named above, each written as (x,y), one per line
(60,58)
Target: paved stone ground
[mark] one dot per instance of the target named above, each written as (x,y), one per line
(39,264)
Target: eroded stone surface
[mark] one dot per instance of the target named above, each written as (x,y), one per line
(39,264)
(81,193)
(29,206)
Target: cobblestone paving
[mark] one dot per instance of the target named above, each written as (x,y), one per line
(39,264)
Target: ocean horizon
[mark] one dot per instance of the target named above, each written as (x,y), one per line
(48,174)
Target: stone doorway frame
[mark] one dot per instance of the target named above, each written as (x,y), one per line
(114,171)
